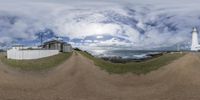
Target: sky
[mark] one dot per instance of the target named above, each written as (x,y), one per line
(105,24)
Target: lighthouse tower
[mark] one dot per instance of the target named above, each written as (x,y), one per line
(195,44)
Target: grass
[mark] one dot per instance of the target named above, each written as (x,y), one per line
(38,64)
(134,67)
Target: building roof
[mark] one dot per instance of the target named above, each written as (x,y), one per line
(195,30)
(17,45)
(53,41)
(66,44)
(56,41)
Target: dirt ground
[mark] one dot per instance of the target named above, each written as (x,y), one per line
(79,79)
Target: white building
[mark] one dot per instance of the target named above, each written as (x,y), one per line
(57,45)
(195,43)
(49,48)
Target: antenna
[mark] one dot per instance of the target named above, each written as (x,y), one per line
(178,47)
(41,38)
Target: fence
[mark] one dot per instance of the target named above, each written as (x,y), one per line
(30,54)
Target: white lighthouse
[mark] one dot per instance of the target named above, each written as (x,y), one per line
(195,43)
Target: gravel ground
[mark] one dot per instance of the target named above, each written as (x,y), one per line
(79,79)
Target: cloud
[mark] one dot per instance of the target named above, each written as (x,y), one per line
(83,29)
(99,37)
(132,24)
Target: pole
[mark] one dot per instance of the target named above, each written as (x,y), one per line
(41,38)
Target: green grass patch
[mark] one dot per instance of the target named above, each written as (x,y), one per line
(134,67)
(37,64)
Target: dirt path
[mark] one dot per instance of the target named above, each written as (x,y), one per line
(79,79)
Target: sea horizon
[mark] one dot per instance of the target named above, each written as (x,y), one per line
(128,54)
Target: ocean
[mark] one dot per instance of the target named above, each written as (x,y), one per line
(126,54)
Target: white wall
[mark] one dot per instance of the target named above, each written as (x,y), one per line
(30,54)
(67,48)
